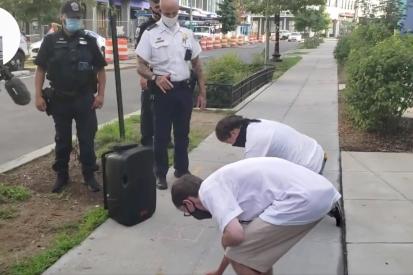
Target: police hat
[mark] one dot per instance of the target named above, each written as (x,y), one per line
(72,9)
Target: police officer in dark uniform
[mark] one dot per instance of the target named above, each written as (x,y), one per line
(74,66)
(146,96)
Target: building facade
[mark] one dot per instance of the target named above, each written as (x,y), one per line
(342,13)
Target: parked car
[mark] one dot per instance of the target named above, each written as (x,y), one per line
(284,34)
(101,41)
(17,62)
(295,36)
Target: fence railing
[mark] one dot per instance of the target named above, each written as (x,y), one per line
(230,95)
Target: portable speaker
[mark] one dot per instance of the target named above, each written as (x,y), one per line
(129,184)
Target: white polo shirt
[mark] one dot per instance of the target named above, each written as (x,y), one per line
(278,191)
(164,49)
(274,139)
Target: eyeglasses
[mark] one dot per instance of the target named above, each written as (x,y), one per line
(186,213)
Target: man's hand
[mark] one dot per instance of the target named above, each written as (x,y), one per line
(144,83)
(98,102)
(40,104)
(163,83)
(215,272)
(201,101)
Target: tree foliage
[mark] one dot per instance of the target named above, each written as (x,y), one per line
(228,14)
(275,6)
(45,11)
(311,20)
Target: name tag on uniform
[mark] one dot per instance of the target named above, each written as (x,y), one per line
(159,40)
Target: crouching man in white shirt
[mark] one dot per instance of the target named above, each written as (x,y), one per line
(266,138)
(263,207)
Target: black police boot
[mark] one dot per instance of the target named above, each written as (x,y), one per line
(179,173)
(61,182)
(91,183)
(161,183)
(337,213)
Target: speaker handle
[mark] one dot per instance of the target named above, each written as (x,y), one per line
(105,199)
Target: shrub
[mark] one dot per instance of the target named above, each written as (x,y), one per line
(228,69)
(342,50)
(361,40)
(312,42)
(381,84)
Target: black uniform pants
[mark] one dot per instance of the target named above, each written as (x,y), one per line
(64,110)
(146,118)
(173,108)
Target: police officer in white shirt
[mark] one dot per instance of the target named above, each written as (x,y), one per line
(263,207)
(266,138)
(170,50)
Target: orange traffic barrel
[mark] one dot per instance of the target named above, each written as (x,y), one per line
(203,43)
(209,43)
(233,41)
(217,43)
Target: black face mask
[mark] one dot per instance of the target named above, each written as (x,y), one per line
(242,136)
(200,214)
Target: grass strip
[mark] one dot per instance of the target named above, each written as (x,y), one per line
(66,240)
(10,193)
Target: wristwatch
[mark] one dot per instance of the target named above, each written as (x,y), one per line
(154,76)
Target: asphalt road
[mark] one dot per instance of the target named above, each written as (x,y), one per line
(24,129)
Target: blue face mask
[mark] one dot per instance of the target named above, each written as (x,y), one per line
(73,25)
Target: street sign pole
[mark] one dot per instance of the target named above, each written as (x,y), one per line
(112,21)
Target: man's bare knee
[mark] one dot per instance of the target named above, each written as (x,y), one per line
(241,269)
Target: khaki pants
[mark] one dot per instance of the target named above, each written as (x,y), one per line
(265,243)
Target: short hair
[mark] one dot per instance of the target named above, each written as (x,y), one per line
(185,186)
(155,1)
(226,125)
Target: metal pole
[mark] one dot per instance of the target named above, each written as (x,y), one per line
(276,55)
(1,50)
(112,24)
(267,35)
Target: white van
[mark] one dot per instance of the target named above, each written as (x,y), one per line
(203,31)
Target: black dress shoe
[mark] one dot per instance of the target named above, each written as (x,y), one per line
(92,184)
(337,213)
(161,183)
(61,182)
(179,174)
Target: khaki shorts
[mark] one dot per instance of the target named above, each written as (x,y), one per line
(266,243)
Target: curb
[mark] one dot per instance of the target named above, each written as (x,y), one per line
(24,159)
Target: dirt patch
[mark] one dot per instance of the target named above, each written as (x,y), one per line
(353,139)
(44,215)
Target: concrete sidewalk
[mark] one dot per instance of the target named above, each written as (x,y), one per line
(168,243)
(378,203)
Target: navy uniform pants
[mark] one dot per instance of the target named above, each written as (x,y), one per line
(173,108)
(146,118)
(64,111)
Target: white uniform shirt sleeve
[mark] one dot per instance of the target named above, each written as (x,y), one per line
(196,48)
(220,202)
(144,49)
